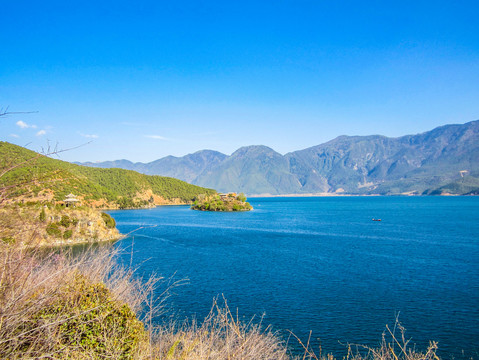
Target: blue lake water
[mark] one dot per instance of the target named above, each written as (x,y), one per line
(322,264)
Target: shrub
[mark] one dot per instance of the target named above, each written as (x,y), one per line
(109,221)
(54,230)
(43,215)
(241,197)
(93,319)
(74,221)
(58,306)
(67,234)
(125,203)
(8,240)
(65,221)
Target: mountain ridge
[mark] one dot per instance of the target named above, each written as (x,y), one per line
(442,160)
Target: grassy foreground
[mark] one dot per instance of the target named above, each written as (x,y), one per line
(58,306)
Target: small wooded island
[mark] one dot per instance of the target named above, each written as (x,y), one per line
(222,202)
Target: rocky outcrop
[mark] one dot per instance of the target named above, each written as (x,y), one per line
(35,224)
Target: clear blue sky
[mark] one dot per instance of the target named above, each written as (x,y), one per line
(146,79)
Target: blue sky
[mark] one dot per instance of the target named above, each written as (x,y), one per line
(142,80)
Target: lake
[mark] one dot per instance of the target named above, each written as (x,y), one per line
(322,264)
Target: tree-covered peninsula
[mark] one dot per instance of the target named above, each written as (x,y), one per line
(27,176)
(222,202)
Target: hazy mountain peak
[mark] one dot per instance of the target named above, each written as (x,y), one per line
(209,152)
(254,150)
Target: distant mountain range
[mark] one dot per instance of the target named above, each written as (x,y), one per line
(443,160)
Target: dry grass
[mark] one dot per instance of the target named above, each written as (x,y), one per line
(394,346)
(51,305)
(221,335)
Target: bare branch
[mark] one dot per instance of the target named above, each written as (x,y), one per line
(5,112)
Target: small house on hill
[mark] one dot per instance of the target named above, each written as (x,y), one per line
(71,200)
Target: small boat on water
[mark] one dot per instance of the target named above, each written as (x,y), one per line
(376,219)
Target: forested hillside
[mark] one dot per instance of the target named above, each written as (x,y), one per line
(31,176)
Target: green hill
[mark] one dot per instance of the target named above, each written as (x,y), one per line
(29,176)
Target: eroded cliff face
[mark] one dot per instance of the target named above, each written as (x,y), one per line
(39,225)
